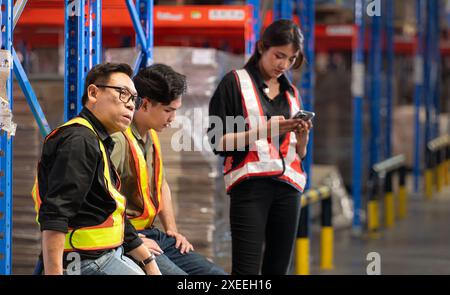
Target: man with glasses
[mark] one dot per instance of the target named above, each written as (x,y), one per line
(137,157)
(80,209)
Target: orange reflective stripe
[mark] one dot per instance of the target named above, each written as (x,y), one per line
(106,235)
(158,166)
(151,201)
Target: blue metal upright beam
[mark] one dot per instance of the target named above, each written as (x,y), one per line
(19,6)
(389,22)
(429,71)
(418,92)
(141,15)
(146,16)
(276,10)
(30,96)
(75,61)
(286,7)
(437,68)
(6,150)
(375,89)
(23,81)
(307,20)
(256,27)
(282,9)
(94,34)
(358,73)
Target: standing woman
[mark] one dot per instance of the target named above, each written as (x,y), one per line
(262,168)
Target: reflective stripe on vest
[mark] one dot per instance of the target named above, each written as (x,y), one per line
(263,159)
(151,200)
(106,235)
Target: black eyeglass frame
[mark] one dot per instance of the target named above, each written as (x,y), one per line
(137,100)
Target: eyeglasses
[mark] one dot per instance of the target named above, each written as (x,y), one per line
(125,95)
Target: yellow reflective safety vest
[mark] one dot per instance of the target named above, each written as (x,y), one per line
(150,199)
(110,233)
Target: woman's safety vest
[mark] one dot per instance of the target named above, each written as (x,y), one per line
(263,158)
(110,233)
(151,200)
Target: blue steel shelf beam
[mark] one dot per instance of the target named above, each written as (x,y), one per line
(431,71)
(358,73)
(75,61)
(286,9)
(146,18)
(94,34)
(143,25)
(30,96)
(389,23)
(6,152)
(256,27)
(437,68)
(418,92)
(307,19)
(375,89)
(18,9)
(23,81)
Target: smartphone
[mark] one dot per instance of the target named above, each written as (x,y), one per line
(304,115)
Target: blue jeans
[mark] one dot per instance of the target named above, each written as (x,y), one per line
(172,262)
(111,263)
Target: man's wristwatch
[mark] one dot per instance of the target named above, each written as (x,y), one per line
(147,260)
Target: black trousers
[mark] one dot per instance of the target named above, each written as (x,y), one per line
(263,212)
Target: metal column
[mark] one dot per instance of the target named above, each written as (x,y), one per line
(146,17)
(143,24)
(6,151)
(307,19)
(437,68)
(255,28)
(23,81)
(389,23)
(430,72)
(282,9)
(75,61)
(358,72)
(375,89)
(94,39)
(418,81)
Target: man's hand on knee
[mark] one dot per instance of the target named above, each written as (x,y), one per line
(151,245)
(181,242)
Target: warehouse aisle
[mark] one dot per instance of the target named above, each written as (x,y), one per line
(416,245)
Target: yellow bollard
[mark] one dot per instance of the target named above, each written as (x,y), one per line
(439,177)
(402,201)
(302,256)
(446,172)
(326,248)
(389,210)
(428,183)
(373,221)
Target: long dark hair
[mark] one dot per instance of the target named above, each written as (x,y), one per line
(279,33)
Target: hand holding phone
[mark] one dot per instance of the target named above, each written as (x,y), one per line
(304,115)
